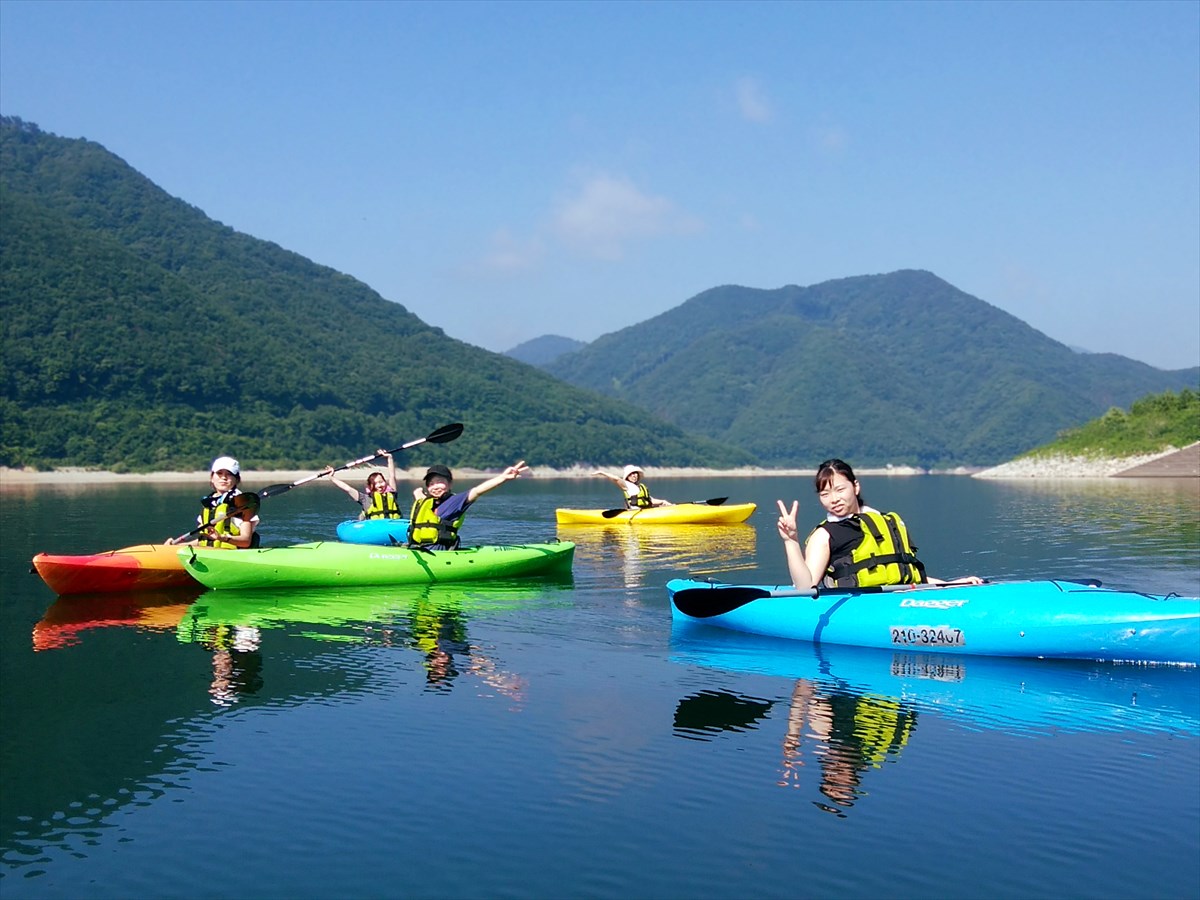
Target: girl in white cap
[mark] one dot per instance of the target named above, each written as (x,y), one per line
(227,524)
(637,495)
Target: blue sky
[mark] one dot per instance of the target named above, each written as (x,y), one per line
(507,170)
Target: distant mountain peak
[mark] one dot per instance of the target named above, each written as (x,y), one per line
(540,351)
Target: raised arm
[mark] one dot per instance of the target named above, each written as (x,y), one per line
(508,474)
(391,468)
(615,479)
(805,566)
(333,479)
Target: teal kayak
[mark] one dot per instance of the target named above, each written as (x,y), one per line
(1052,619)
(328,563)
(384,532)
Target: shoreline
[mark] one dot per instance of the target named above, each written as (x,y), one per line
(1056,467)
(1048,467)
(82,476)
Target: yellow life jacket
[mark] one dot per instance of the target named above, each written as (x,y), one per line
(216,511)
(883,556)
(425,526)
(383,506)
(642,500)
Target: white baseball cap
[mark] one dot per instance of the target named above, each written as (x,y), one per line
(629,470)
(228,463)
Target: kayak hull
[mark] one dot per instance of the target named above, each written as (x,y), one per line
(380,532)
(144,567)
(677,514)
(329,563)
(1051,619)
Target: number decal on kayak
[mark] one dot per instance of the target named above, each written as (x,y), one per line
(927,636)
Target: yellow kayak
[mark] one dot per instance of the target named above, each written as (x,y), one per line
(677,514)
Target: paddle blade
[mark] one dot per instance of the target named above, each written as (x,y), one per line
(613,513)
(274,490)
(705,603)
(712,501)
(246,502)
(445,434)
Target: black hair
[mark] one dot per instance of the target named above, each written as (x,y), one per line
(830,468)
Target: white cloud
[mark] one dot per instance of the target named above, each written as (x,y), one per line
(509,254)
(607,212)
(752,101)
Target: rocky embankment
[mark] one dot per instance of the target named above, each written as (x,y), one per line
(1173,463)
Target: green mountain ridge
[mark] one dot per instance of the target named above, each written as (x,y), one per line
(894,368)
(139,334)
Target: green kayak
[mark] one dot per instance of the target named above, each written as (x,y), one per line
(328,563)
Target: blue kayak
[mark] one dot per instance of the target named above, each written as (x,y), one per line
(1053,619)
(384,532)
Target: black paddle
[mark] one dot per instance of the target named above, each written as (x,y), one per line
(443,435)
(714,501)
(240,502)
(704,603)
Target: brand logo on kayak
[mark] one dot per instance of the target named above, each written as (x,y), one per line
(933,604)
(389,556)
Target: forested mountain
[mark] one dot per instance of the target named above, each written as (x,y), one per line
(544,349)
(136,333)
(896,368)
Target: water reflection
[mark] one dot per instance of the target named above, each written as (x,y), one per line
(707,713)
(68,617)
(848,734)
(1023,697)
(700,549)
(1093,526)
(430,619)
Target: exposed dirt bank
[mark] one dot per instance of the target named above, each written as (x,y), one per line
(253,478)
(1071,466)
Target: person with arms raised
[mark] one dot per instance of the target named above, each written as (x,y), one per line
(856,545)
(378,499)
(637,495)
(437,512)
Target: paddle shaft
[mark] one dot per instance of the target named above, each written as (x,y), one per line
(613,513)
(704,603)
(443,435)
(249,503)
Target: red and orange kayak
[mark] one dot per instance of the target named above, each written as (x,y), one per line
(139,568)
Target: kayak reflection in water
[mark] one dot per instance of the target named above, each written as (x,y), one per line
(851,734)
(637,495)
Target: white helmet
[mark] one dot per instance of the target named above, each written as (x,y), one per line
(629,470)
(228,463)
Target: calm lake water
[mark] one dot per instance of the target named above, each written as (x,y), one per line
(560,739)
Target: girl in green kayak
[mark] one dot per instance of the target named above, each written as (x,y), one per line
(437,512)
(224,522)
